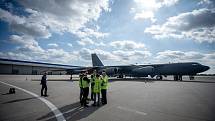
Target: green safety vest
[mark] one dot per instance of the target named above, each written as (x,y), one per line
(97,85)
(85,84)
(104,83)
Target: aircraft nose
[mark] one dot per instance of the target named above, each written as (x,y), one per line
(206,68)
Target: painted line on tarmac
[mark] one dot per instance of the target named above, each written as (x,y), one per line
(69,111)
(59,116)
(131,110)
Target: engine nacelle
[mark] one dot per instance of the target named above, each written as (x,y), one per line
(111,71)
(147,70)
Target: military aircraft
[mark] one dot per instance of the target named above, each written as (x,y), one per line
(159,70)
(154,70)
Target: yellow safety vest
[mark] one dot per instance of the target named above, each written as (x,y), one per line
(104,83)
(85,84)
(97,85)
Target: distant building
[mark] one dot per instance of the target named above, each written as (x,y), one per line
(18,67)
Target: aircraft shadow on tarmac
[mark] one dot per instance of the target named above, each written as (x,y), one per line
(147,80)
(192,81)
(18,100)
(6,93)
(133,79)
(71,112)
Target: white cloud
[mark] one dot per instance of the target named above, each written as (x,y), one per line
(198,25)
(27,43)
(145,15)
(46,17)
(58,56)
(15,55)
(127,45)
(207,3)
(190,56)
(180,55)
(29,49)
(87,32)
(100,44)
(53,45)
(131,55)
(67,15)
(26,26)
(85,41)
(170,54)
(85,54)
(211,56)
(49,55)
(117,56)
(70,44)
(145,9)
(42,18)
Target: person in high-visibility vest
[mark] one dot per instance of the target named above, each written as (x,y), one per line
(97,90)
(85,86)
(81,87)
(104,86)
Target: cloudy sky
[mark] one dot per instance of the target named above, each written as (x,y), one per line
(119,31)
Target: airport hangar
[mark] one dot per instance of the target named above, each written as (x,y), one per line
(18,67)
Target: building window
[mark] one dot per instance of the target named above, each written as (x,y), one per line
(34,72)
(15,71)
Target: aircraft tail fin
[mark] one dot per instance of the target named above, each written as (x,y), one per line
(96,61)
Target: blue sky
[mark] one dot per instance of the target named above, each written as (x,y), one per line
(119,31)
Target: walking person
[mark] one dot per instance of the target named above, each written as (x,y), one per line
(44,85)
(97,90)
(104,86)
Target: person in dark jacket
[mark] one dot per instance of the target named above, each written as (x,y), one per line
(44,85)
(81,87)
(85,84)
(92,81)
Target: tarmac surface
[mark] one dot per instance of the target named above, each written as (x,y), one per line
(128,100)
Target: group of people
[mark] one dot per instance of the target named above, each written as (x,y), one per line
(98,84)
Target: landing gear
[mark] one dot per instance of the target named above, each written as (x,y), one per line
(71,77)
(177,77)
(191,77)
(159,77)
(180,77)
(120,76)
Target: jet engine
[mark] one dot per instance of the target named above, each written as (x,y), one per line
(111,71)
(146,70)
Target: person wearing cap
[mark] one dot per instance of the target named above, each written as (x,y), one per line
(104,86)
(97,90)
(44,85)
